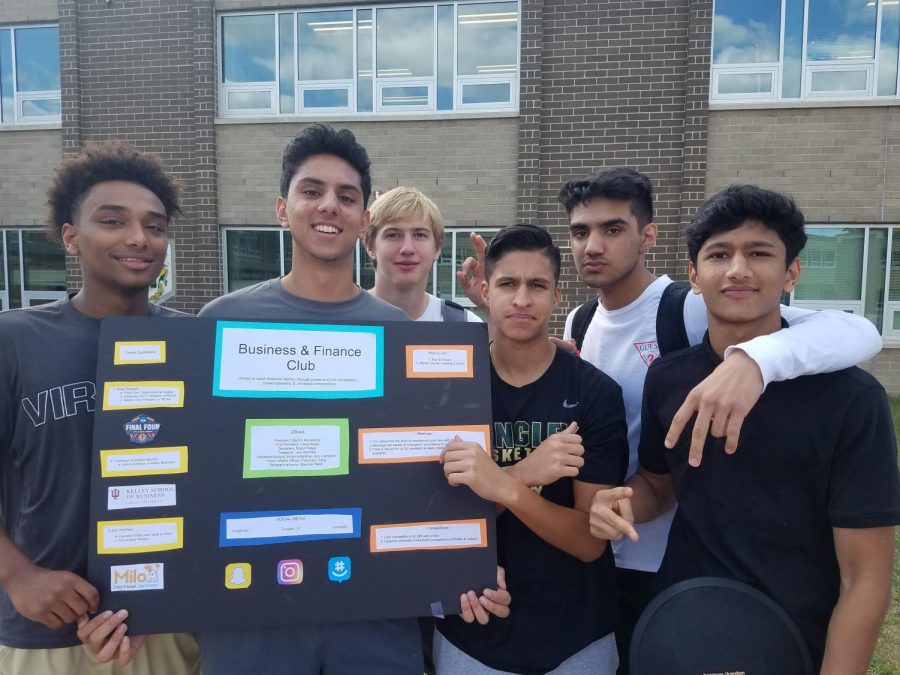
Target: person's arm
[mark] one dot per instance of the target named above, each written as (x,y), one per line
(816,342)
(644,496)
(866,558)
(50,597)
(560,455)
(567,529)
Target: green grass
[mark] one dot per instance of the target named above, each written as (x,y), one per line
(887,656)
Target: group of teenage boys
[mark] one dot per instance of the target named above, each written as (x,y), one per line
(804,509)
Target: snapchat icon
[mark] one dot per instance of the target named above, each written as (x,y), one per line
(237,575)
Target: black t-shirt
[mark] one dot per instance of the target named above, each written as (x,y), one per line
(48,363)
(815,453)
(560,604)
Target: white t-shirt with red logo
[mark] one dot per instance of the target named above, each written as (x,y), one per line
(622,343)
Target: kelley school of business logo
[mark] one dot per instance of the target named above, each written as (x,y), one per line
(141,429)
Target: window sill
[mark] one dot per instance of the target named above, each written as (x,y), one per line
(30,127)
(369,117)
(805,103)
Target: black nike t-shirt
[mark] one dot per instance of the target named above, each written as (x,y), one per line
(560,604)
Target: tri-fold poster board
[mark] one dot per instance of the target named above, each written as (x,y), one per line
(249,473)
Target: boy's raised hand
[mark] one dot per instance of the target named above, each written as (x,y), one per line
(560,455)
(471,274)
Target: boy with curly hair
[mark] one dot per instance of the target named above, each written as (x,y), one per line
(110,206)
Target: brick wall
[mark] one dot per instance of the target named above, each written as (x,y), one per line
(25,11)
(886,367)
(144,72)
(26,158)
(841,164)
(26,155)
(619,83)
(467,166)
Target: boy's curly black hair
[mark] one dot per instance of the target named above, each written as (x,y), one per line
(101,162)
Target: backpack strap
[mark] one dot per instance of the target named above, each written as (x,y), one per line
(582,320)
(670,331)
(450,311)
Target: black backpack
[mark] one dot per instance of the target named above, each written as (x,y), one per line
(450,311)
(670,331)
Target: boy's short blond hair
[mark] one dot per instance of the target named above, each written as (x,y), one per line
(402,203)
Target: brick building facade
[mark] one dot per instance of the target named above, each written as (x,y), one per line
(595,84)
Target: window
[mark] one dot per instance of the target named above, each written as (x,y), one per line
(429,58)
(805,50)
(855,268)
(32,269)
(259,253)
(29,75)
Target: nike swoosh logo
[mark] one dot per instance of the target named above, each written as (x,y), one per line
(566,404)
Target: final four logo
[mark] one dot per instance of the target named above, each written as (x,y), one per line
(142,429)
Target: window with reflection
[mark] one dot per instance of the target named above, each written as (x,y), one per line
(32,268)
(370,59)
(255,254)
(805,49)
(854,268)
(29,75)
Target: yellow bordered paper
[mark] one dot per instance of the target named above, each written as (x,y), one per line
(143,461)
(140,536)
(141,352)
(143,394)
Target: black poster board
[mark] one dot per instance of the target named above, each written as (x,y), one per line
(253,473)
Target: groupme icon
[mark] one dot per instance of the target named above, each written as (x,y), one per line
(339,569)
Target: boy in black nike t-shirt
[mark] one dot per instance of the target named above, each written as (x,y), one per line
(805,512)
(555,417)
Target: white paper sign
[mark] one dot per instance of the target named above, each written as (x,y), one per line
(261,361)
(139,496)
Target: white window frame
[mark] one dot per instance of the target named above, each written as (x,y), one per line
(28,297)
(807,69)
(273,87)
(464,80)
(250,87)
(23,97)
(450,233)
(325,85)
(378,83)
(223,246)
(849,66)
(857,306)
(382,83)
(772,69)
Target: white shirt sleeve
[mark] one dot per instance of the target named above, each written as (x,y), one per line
(816,342)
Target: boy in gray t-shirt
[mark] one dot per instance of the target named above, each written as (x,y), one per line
(110,207)
(325,185)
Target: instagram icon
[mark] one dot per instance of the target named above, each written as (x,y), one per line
(290,572)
